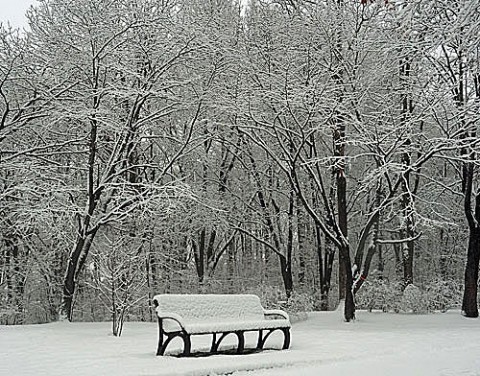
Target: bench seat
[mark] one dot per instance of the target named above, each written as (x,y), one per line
(206,327)
(183,315)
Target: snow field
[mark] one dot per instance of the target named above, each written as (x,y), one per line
(376,344)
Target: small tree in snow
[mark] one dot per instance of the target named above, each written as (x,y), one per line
(118,275)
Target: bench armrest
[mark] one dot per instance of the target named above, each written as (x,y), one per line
(171,316)
(276,312)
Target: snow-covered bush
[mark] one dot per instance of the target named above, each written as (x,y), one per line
(389,297)
(273,297)
(8,316)
(413,300)
(379,294)
(270,296)
(299,302)
(443,294)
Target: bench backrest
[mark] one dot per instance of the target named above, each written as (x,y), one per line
(209,306)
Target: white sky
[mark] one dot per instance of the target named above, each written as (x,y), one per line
(13,11)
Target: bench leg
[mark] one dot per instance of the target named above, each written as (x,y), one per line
(160,337)
(216,343)
(214,346)
(241,342)
(187,344)
(159,347)
(286,341)
(260,339)
(263,338)
(162,344)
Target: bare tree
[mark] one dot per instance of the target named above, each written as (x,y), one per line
(455,60)
(121,61)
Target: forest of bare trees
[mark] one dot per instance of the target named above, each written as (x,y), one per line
(307,151)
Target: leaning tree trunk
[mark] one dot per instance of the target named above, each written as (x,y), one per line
(75,265)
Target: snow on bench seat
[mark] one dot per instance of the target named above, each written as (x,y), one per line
(184,315)
(233,326)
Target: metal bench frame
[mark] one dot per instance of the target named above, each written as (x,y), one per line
(164,338)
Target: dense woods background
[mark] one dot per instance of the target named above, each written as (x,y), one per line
(306,151)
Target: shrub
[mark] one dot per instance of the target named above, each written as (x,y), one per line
(270,296)
(379,294)
(413,300)
(388,296)
(273,297)
(443,294)
(299,302)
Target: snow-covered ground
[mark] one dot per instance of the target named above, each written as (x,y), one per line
(376,344)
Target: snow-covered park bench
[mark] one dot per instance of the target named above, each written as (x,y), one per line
(220,315)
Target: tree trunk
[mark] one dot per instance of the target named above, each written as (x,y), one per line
(302,229)
(408,231)
(407,253)
(15,278)
(325,266)
(349,301)
(345,278)
(469,304)
(286,261)
(381,262)
(232,266)
(74,267)
(199,256)
(407,201)
(339,152)
(343,265)
(286,269)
